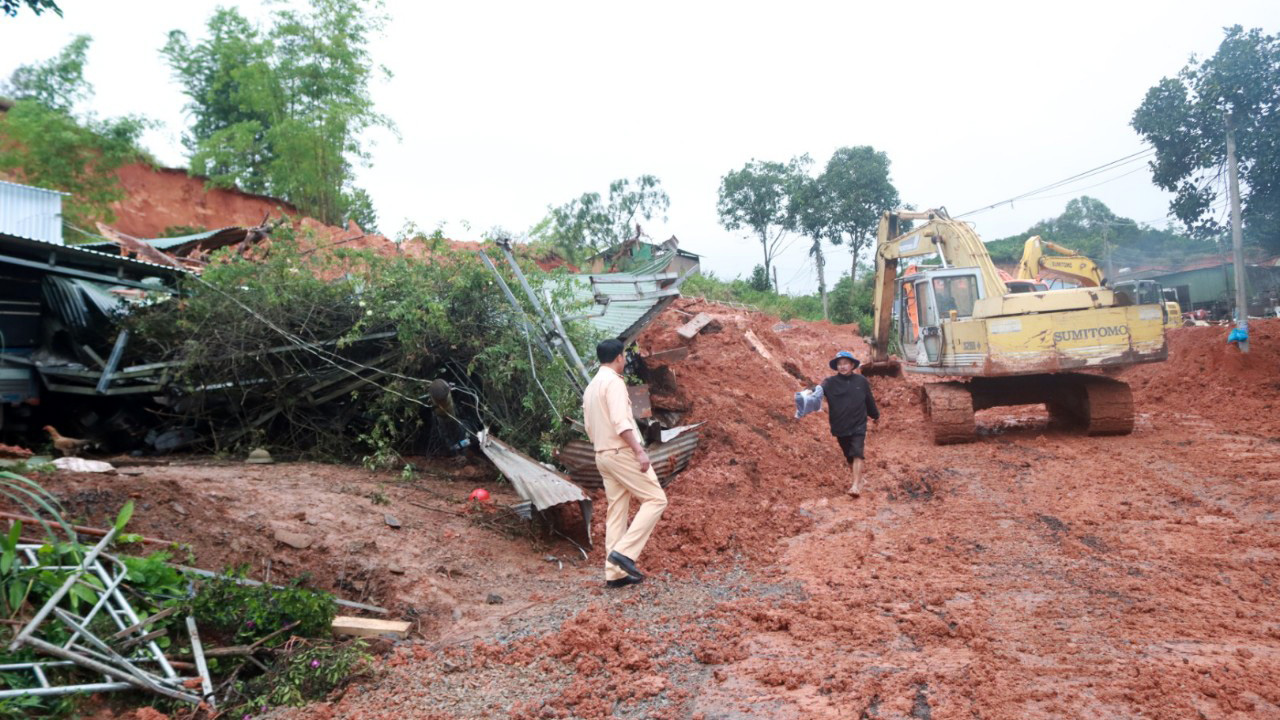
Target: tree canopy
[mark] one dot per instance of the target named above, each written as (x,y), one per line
(593,223)
(758,198)
(855,191)
(1087,224)
(46,144)
(281,111)
(1186,119)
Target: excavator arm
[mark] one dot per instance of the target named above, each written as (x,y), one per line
(954,241)
(1066,263)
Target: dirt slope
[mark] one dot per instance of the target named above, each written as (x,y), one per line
(1033,574)
(161,198)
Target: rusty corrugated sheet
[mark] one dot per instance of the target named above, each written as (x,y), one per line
(668,459)
(532,480)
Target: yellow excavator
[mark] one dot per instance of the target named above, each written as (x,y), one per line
(1037,268)
(1035,264)
(960,319)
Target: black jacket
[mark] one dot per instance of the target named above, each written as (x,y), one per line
(849,404)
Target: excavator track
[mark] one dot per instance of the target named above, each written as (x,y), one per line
(948,408)
(1097,405)
(1110,406)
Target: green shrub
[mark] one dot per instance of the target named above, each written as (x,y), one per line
(246,613)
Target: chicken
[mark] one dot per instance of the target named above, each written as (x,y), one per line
(65,445)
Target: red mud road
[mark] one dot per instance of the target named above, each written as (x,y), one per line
(1032,574)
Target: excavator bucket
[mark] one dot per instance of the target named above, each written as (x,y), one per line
(883,368)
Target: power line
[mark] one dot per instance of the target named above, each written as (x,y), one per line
(1089,187)
(1133,157)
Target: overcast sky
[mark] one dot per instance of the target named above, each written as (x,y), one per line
(506,108)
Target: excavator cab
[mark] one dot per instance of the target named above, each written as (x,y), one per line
(929,299)
(1141,292)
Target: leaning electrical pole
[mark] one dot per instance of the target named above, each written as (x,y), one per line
(1237,240)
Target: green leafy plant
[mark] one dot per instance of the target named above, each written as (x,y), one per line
(245,613)
(442,316)
(46,144)
(282,110)
(302,672)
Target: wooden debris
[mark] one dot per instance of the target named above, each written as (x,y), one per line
(143,639)
(694,326)
(667,357)
(81,529)
(138,626)
(758,346)
(369,627)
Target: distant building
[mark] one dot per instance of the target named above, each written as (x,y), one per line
(631,254)
(1208,283)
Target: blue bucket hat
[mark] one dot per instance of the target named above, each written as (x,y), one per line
(844,354)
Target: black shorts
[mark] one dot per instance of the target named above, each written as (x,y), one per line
(852,446)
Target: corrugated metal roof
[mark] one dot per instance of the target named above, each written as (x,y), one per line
(19,246)
(533,481)
(31,212)
(668,458)
(168,243)
(624,318)
(79,303)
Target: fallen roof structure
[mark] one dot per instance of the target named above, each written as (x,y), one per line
(534,482)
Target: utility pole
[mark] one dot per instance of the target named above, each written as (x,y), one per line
(1237,240)
(1106,247)
(776,287)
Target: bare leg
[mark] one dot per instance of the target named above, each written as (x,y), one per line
(856,468)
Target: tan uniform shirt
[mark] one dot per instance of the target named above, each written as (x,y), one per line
(606,410)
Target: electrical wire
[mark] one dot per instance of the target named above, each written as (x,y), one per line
(1120,162)
(1089,187)
(533,367)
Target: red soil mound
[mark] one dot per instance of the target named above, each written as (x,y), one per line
(1207,377)
(756,464)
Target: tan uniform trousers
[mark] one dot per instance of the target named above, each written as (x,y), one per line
(623,481)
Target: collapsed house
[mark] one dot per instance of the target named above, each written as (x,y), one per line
(60,348)
(63,355)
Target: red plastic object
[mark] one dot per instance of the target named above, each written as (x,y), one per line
(479,495)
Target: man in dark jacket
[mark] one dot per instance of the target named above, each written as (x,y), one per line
(849,404)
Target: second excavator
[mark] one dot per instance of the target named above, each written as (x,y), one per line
(959,319)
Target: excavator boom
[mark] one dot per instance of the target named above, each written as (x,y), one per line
(1067,263)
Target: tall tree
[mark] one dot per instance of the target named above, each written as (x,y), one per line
(757,198)
(808,213)
(1187,118)
(44,142)
(591,223)
(856,190)
(282,110)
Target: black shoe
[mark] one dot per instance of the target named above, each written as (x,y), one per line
(623,582)
(627,564)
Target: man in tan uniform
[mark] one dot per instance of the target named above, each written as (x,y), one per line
(621,459)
